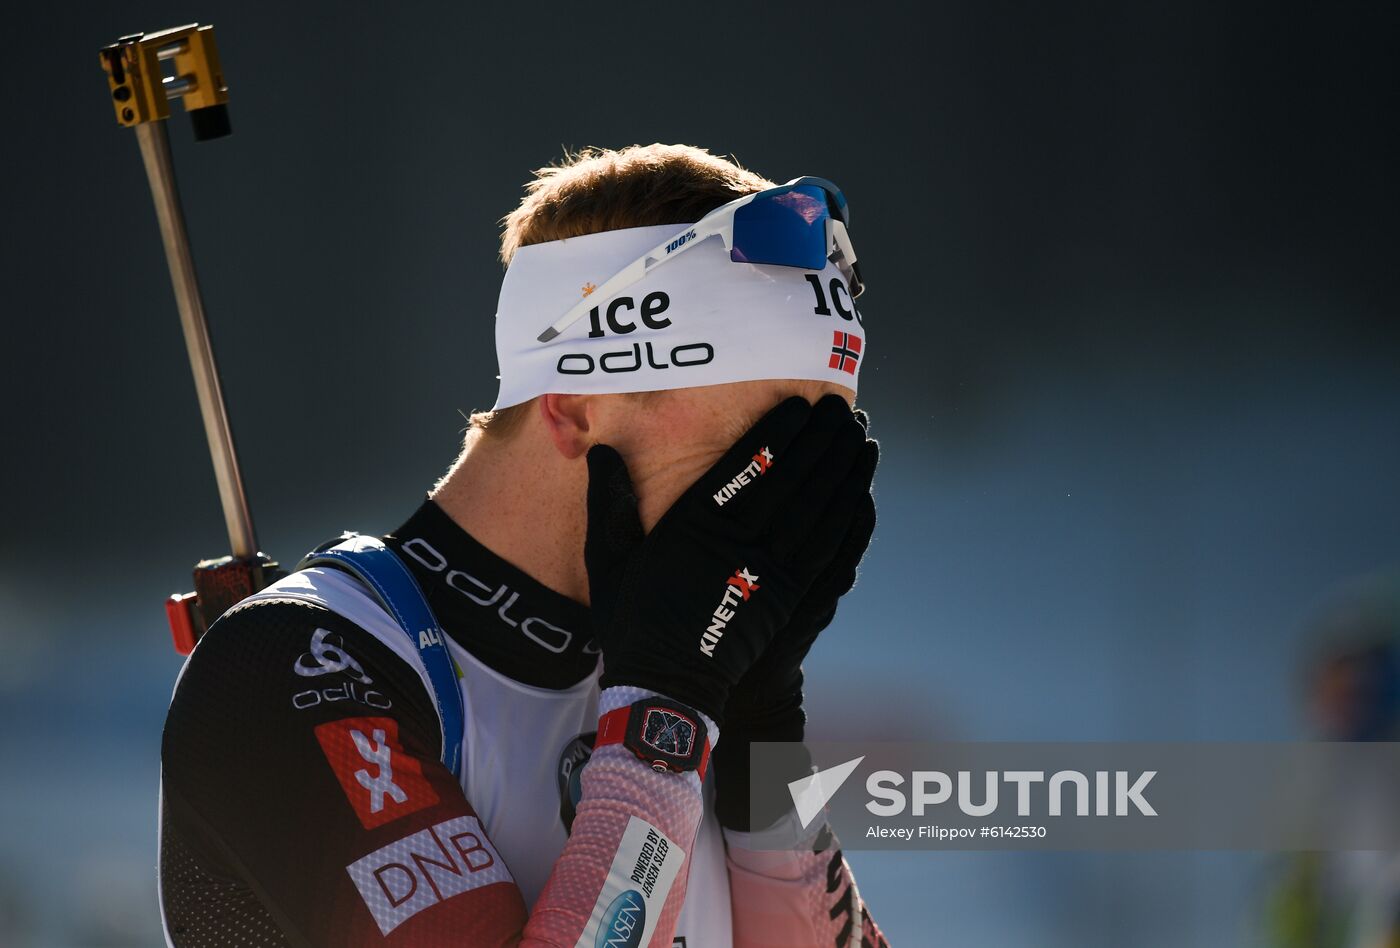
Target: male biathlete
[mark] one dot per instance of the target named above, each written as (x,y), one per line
(626,566)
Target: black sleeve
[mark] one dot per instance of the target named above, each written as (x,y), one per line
(303,796)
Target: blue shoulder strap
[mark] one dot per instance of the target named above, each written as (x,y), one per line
(368,560)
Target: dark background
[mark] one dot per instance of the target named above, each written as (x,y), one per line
(1134,365)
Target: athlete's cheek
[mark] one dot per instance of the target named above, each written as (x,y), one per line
(663,476)
(656,497)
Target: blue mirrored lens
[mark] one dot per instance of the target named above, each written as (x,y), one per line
(786,228)
(833,194)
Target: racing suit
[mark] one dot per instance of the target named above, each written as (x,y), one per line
(303,801)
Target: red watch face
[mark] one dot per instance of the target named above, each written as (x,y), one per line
(668,732)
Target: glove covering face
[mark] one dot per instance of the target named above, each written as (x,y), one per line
(686,609)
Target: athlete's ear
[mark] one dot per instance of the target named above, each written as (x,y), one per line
(567,419)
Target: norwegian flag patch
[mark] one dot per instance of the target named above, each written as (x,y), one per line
(845,351)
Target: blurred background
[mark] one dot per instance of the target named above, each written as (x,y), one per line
(1135,367)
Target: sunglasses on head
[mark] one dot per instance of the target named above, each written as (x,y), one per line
(802,224)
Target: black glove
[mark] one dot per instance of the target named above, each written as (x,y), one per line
(686,609)
(766,703)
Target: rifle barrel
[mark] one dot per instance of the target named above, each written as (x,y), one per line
(160,170)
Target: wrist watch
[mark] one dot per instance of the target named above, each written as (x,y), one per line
(664,734)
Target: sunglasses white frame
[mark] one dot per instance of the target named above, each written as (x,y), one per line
(717,223)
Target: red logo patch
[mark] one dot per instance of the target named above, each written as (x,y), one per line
(381,780)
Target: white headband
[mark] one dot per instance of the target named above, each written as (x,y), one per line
(700,319)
